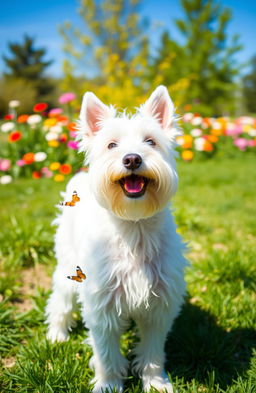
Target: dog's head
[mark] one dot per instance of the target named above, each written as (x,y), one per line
(131,158)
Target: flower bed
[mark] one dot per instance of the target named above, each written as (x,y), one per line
(43,144)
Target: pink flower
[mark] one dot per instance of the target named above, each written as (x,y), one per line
(20,163)
(46,172)
(241,143)
(66,97)
(234,130)
(55,112)
(73,145)
(5,164)
(251,143)
(72,134)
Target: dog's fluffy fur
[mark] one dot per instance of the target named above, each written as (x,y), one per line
(126,244)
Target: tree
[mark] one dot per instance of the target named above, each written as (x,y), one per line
(205,57)
(112,52)
(249,87)
(26,63)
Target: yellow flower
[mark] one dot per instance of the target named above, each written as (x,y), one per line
(50,122)
(54,166)
(187,155)
(59,178)
(53,143)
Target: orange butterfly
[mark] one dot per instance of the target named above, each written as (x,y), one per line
(80,276)
(75,198)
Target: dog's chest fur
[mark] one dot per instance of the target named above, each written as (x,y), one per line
(132,269)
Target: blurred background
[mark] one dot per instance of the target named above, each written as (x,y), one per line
(202,50)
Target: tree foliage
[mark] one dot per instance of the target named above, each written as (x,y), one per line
(205,57)
(111,51)
(27,63)
(249,88)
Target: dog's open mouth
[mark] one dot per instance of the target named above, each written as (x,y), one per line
(134,186)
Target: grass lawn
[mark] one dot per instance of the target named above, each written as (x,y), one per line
(210,348)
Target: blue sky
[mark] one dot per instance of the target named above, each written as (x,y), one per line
(41,19)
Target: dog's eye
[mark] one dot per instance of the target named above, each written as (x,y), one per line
(112,145)
(150,142)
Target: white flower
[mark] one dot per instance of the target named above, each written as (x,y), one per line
(8,126)
(40,156)
(196,132)
(180,140)
(216,125)
(199,143)
(188,116)
(6,179)
(34,119)
(51,136)
(252,132)
(246,120)
(196,121)
(57,129)
(14,104)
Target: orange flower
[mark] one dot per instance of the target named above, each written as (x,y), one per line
(63,120)
(40,107)
(187,141)
(58,177)
(187,155)
(216,131)
(72,127)
(22,118)
(65,169)
(36,175)
(212,138)
(29,158)
(14,136)
(208,146)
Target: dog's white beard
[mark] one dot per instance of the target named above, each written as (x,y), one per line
(108,192)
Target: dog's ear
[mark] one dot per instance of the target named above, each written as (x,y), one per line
(160,106)
(93,112)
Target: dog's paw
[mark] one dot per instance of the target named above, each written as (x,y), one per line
(108,387)
(57,335)
(162,385)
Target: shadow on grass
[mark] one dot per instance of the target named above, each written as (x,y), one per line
(197,347)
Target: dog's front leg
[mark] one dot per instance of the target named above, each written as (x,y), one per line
(149,353)
(59,308)
(109,365)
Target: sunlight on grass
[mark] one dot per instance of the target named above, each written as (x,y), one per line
(210,348)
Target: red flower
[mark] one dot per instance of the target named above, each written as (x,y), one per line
(65,169)
(8,117)
(40,107)
(36,175)
(14,136)
(63,138)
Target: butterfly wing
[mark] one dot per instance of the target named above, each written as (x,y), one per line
(75,278)
(80,274)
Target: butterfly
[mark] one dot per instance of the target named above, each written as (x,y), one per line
(75,198)
(80,276)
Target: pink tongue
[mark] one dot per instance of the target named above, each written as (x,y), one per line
(134,184)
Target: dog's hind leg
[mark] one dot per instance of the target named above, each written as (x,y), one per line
(59,308)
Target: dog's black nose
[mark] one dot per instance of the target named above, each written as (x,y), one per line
(132,161)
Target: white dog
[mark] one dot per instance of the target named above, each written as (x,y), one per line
(123,237)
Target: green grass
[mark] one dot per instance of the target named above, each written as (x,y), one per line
(211,346)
